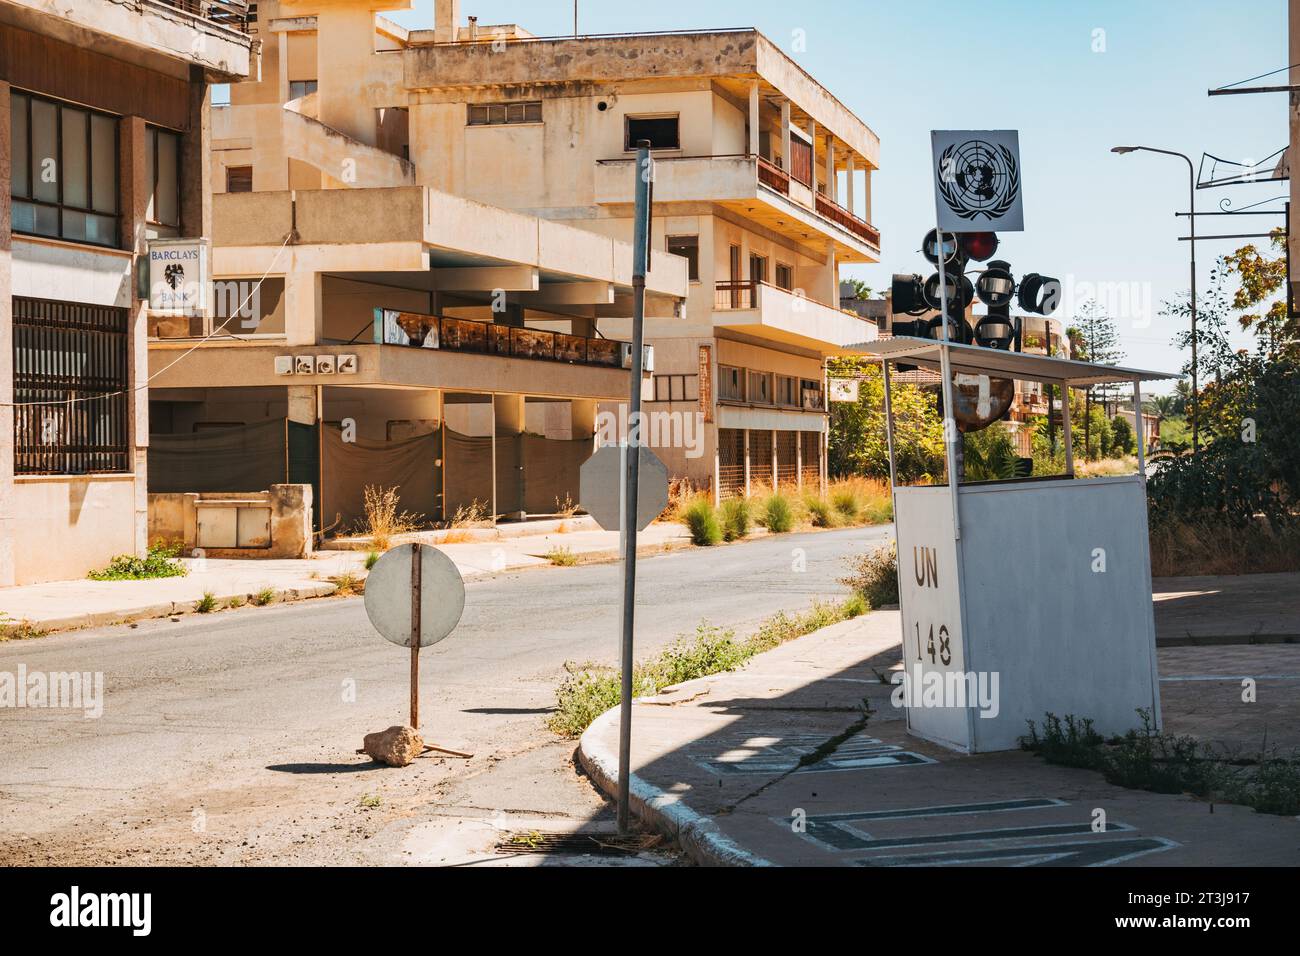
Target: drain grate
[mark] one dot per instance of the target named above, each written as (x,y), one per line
(593,844)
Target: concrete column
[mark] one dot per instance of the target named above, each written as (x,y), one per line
(849,176)
(785,135)
(832,188)
(446,18)
(508,416)
(302,404)
(196,160)
(134,191)
(753,118)
(582,418)
(7,507)
(812,139)
(303,315)
(282,51)
(747,490)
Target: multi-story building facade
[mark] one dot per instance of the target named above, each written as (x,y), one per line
(762,181)
(105,126)
(370,327)
(763,186)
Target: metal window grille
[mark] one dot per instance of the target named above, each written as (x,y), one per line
(71,360)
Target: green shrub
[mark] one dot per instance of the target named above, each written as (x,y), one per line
(562,557)
(264,597)
(846,503)
(588,691)
(701,520)
(736,518)
(159,562)
(820,511)
(777,514)
(207,603)
(372,559)
(875,576)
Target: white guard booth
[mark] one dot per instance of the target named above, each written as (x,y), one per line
(1034,592)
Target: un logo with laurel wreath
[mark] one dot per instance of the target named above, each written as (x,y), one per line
(977,179)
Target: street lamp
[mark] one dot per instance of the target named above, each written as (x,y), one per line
(1191,218)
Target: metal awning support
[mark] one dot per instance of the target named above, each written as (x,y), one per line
(978,360)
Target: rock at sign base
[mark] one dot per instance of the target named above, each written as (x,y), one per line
(397,746)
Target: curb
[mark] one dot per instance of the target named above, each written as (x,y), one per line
(696,833)
(146,612)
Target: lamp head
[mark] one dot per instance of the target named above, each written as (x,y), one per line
(1121,150)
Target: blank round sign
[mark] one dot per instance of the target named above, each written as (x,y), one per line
(388,595)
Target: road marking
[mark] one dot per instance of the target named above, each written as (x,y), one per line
(1078,853)
(782,755)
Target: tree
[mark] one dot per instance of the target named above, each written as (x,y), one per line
(1096,340)
(1261,276)
(857,440)
(1123,441)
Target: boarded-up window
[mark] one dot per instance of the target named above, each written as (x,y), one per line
(504,114)
(801,161)
(239,179)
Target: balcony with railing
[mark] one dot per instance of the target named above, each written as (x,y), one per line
(234,14)
(787,316)
(450,334)
(751,185)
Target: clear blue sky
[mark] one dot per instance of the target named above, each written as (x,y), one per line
(909,66)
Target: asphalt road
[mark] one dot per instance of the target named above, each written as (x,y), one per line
(231,738)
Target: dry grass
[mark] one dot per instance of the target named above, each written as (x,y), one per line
(473,515)
(1106,467)
(1220,548)
(456,536)
(383,521)
(565,507)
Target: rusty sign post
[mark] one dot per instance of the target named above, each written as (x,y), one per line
(415,635)
(414,598)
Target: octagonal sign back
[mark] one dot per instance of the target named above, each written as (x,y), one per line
(601,478)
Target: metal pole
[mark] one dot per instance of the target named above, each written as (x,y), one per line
(1140,426)
(1067,433)
(1191,221)
(628,518)
(950,434)
(416,569)
(889,428)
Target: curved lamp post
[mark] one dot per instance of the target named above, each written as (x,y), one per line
(1191,218)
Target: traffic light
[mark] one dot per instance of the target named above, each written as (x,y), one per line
(906,296)
(1039,294)
(979,245)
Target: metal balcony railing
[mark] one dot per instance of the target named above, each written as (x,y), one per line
(234,14)
(489,338)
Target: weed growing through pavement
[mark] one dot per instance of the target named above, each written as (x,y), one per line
(11,630)
(1146,759)
(347,584)
(590,690)
(562,557)
(372,559)
(207,603)
(159,562)
(874,576)
(264,597)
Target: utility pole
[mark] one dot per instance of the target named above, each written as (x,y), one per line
(628,519)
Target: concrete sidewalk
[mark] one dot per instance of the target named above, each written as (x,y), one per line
(773,765)
(65,605)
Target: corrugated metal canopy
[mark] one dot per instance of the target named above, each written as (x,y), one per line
(978,360)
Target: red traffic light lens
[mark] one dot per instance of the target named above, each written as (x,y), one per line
(979,245)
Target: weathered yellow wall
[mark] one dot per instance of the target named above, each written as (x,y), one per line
(71,525)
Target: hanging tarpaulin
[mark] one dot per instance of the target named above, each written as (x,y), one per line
(233,459)
(977,180)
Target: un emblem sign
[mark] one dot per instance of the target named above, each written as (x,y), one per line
(977,180)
